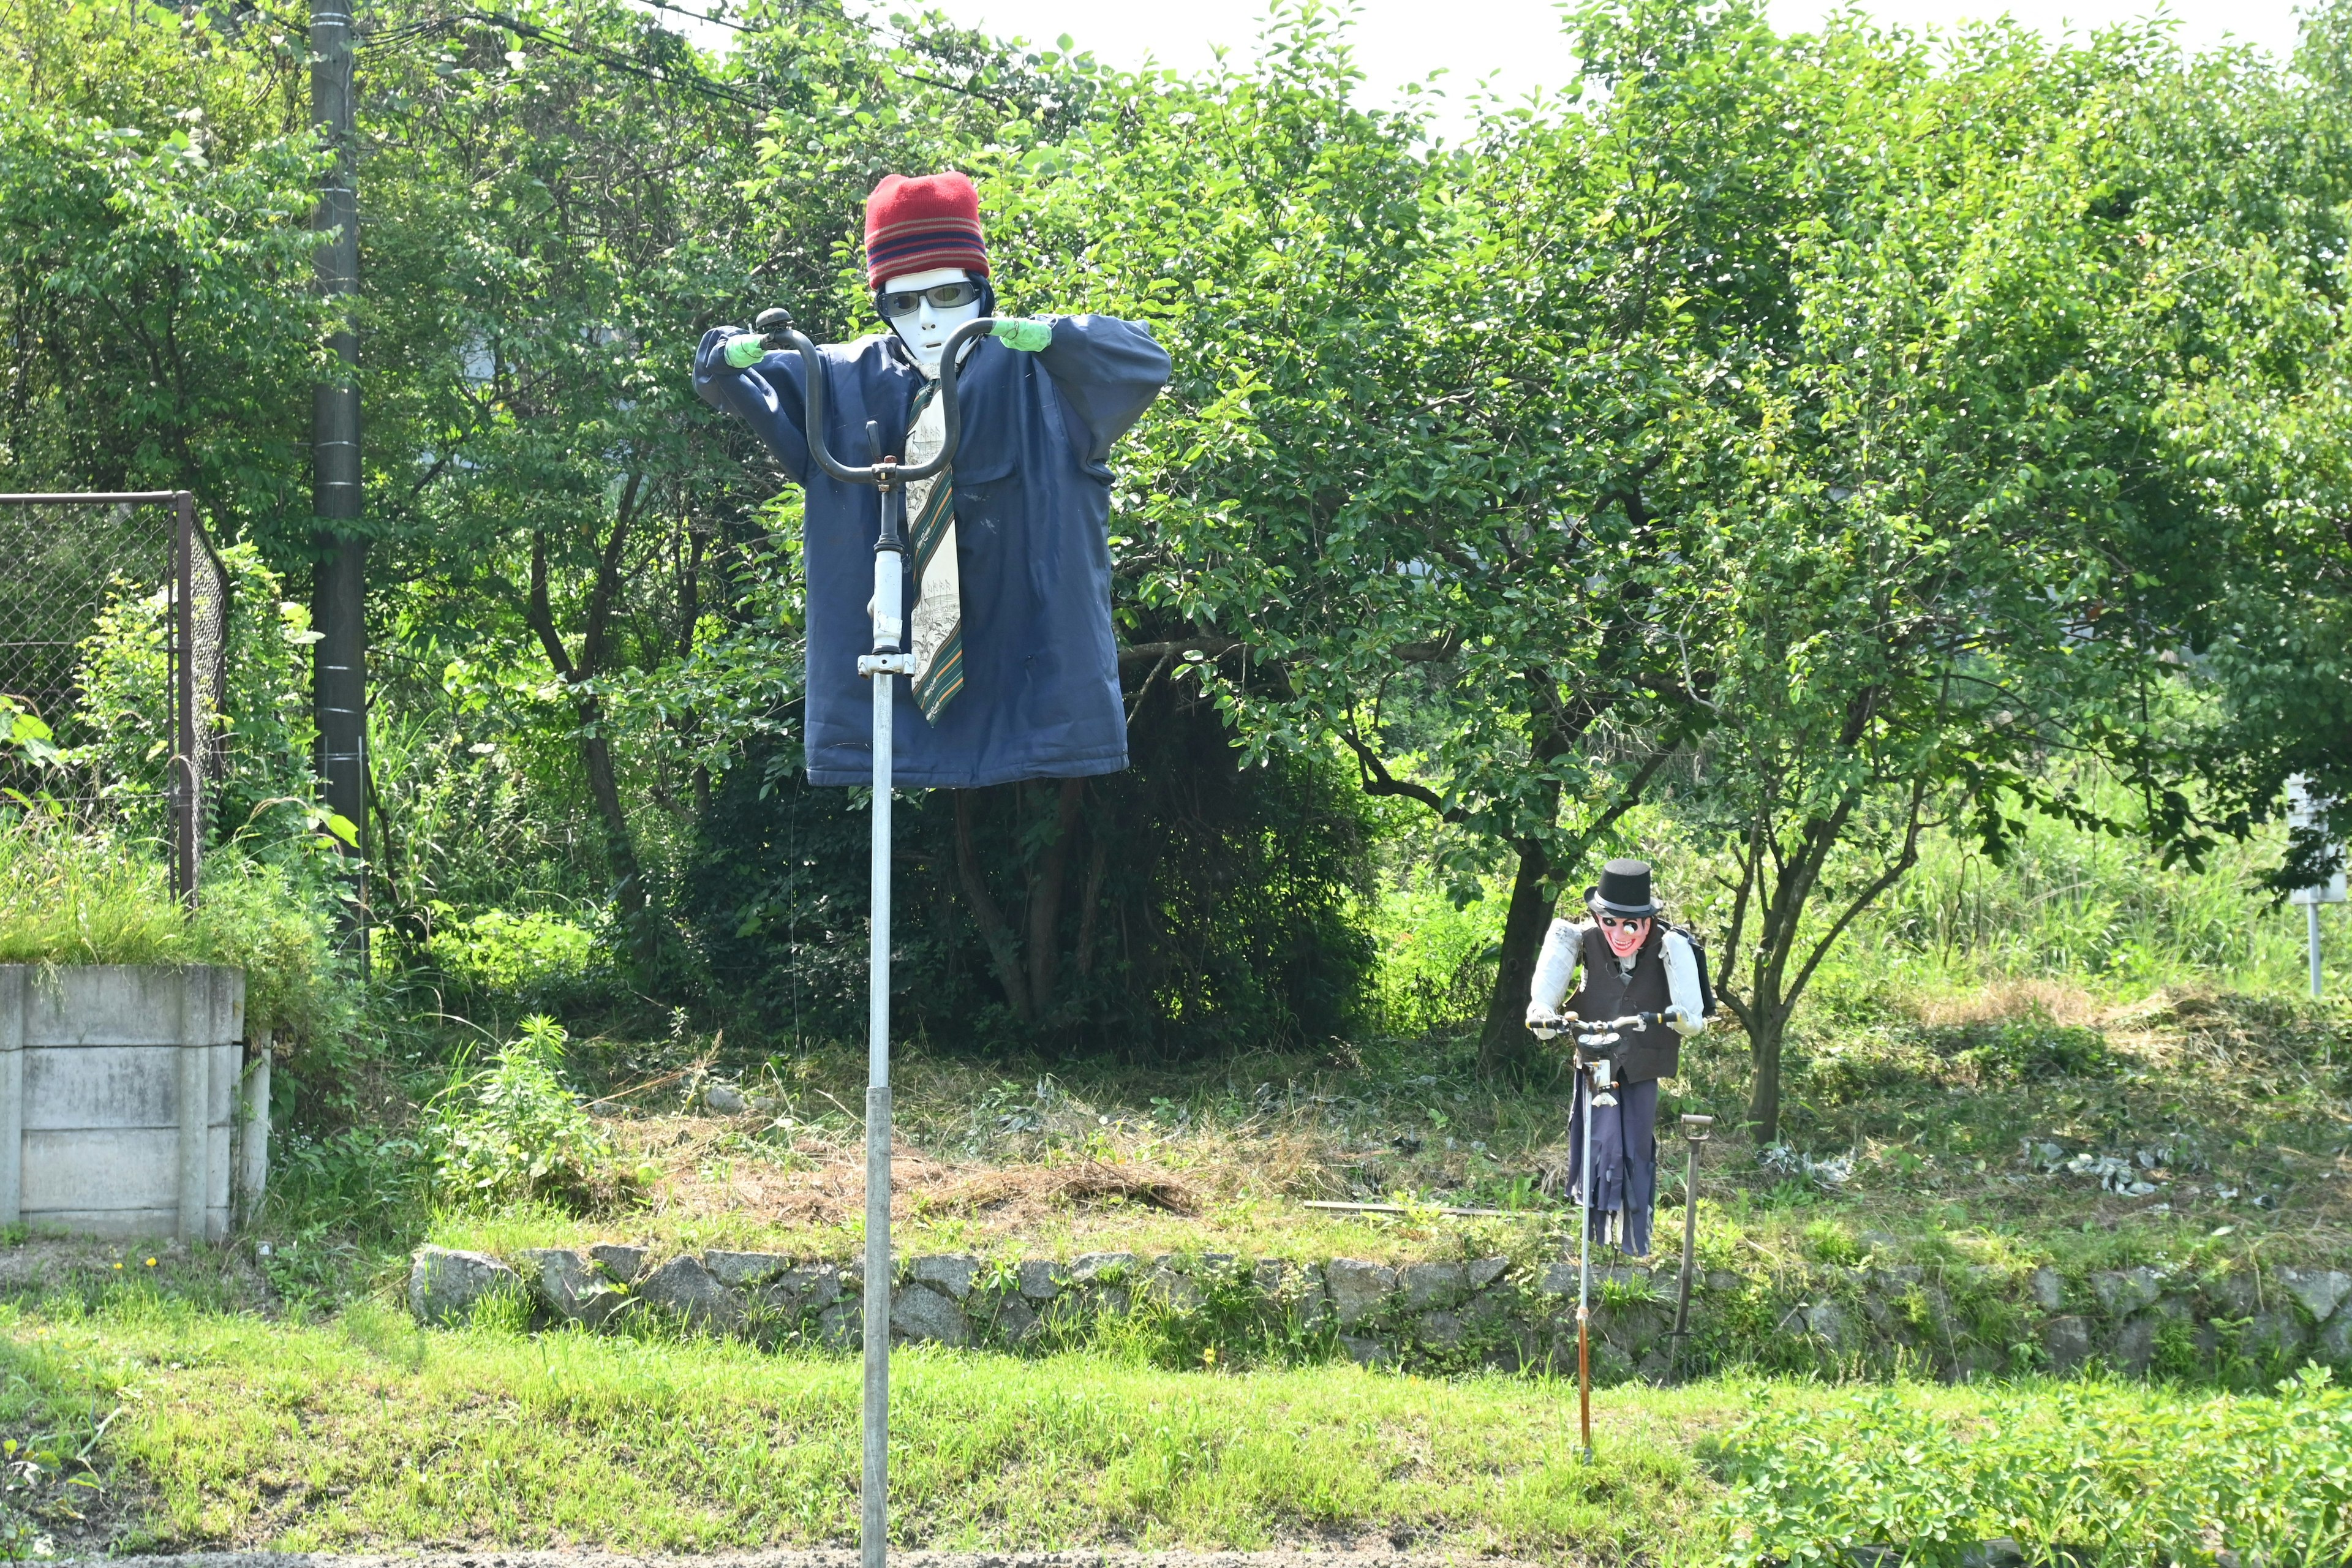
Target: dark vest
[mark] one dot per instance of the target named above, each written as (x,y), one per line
(1605,992)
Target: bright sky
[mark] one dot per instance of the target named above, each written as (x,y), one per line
(1519,43)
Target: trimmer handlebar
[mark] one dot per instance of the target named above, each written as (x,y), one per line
(1629,1021)
(1594,1031)
(775,328)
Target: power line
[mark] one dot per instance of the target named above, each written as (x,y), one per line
(715,21)
(692,81)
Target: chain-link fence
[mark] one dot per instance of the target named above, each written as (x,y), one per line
(114,636)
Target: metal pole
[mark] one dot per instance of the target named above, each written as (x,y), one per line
(185,741)
(1584,1273)
(2312,910)
(886,474)
(874,1484)
(339,582)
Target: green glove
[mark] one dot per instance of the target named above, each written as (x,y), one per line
(745,350)
(1027,336)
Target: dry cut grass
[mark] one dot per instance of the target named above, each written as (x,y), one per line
(1938,1109)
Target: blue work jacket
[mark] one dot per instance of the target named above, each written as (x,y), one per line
(1041,697)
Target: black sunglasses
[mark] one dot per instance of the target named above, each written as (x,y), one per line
(945,296)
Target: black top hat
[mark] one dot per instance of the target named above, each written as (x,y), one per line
(1624,889)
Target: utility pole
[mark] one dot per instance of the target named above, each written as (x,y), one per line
(339,582)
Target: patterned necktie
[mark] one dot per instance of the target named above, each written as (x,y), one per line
(938,607)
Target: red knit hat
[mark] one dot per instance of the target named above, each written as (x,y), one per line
(913,226)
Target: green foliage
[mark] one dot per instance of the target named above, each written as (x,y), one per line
(24,735)
(2092,1476)
(156,185)
(123,713)
(2032,1050)
(70,897)
(519,953)
(1437,935)
(2093,908)
(1828,1242)
(514,1133)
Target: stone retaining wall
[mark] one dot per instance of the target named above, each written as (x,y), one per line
(1953,1321)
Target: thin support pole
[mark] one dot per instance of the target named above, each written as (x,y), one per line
(1695,1132)
(2311,910)
(185,795)
(1690,1242)
(1584,1275)
(874,1480)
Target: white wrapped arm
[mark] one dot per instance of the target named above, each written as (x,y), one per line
(1682,984)
(1556,968)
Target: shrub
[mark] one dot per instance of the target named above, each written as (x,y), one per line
(124,715)
(525,953)
(1207,903)
(515,1132)
(2032,1050)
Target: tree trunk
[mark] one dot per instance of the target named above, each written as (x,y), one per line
(1046,900)
(1090,911)
(604,787)
(995,932)
(630,895)
(1504,1044)
(1764,1054)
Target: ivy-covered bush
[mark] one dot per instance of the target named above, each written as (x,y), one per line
(1194,902)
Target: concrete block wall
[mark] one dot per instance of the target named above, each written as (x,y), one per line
(126,1108)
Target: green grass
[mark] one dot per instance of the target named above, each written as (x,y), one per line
(364,1432)
(70,897)
(367,1432)
(77,898)
(1941,1103)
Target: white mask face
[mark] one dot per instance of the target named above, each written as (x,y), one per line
(926,329)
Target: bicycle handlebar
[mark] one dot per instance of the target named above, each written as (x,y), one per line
(775,326)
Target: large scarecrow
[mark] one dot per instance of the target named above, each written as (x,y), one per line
(1016,671)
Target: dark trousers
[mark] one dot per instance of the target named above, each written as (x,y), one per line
(1624,1163)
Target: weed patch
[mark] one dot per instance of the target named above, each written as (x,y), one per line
(2106,1475)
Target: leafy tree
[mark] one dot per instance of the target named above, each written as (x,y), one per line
(1948,551)
(2237,176)
(1417,400)
(155,179)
